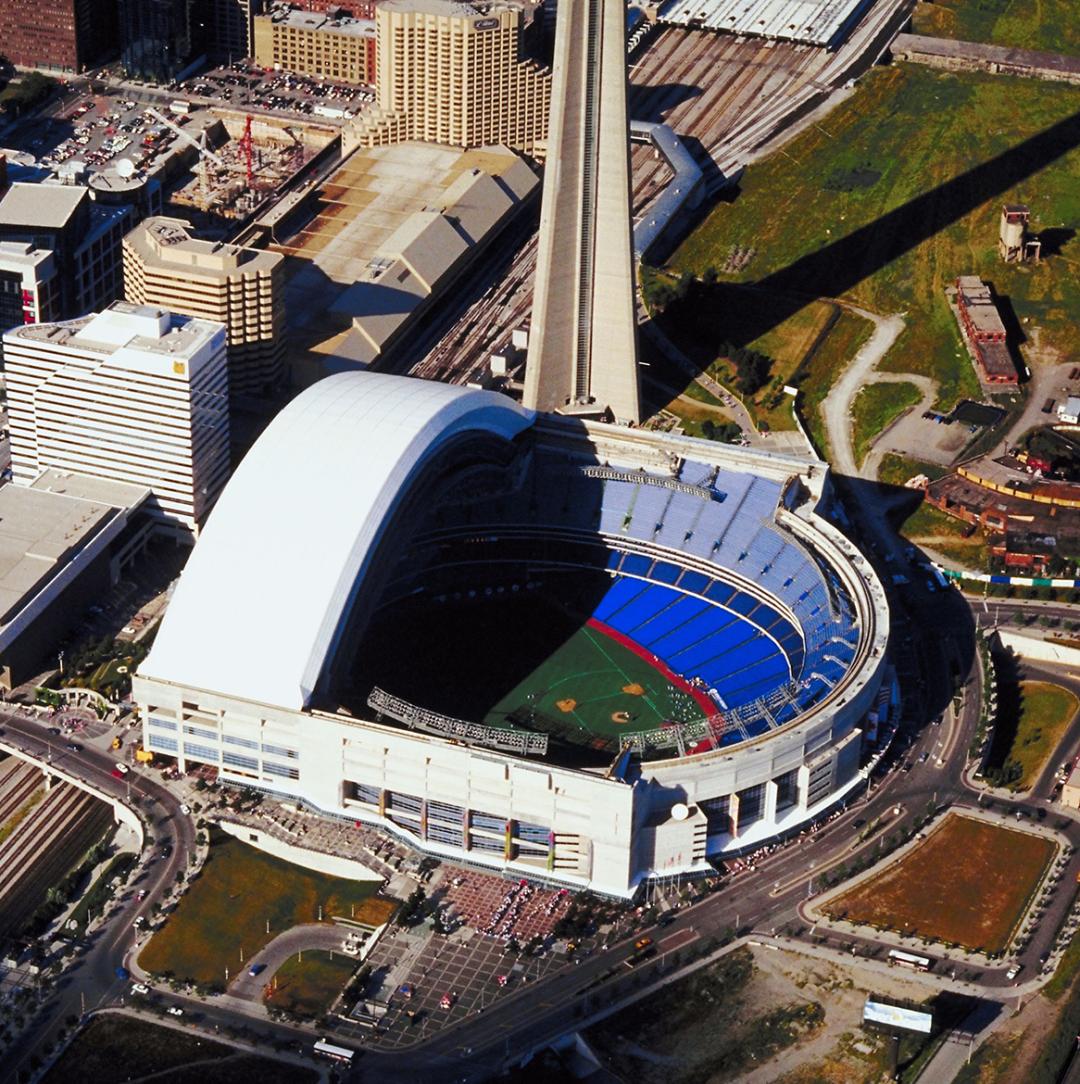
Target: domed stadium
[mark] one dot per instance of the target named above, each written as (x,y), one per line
(592,653)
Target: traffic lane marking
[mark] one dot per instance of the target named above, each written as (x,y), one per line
(677,940)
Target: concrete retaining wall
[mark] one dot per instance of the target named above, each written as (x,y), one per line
(331,864)
(1034,647)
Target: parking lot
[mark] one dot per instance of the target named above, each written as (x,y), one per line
(97,130)
(462,973)
(245,86)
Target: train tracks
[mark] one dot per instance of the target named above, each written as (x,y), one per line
(728,96)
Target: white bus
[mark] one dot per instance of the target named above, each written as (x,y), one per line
(909,959)
(323,1049)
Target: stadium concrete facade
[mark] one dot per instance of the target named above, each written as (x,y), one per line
(716,568)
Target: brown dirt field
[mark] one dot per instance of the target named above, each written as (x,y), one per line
(967,883)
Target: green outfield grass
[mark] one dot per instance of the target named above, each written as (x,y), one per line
(591,689)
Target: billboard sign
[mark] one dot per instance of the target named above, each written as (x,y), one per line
(892,1016)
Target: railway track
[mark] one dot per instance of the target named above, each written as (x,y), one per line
(729,95)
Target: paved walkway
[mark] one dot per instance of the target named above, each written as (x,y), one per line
(836,409)
(313,936)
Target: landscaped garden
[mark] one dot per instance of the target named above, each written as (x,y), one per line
(1045,710)
(244,898)
(968,883)
(307,984)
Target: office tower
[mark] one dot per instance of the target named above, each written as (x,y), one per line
(132,394)
(156,37)
(58,35)
(326,46)
(83,236)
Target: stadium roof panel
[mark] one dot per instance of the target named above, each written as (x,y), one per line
(815,22)
(259,607)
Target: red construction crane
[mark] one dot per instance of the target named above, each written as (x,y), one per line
(245,143)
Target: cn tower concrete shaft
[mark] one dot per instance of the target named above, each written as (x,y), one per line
(583,336)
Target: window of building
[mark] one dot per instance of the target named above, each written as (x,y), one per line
(200,752)
(751,804)
(287,771)
(238,760)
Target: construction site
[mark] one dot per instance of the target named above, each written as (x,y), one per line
(237,161)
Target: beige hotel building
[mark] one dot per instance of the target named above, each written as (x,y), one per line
(242,288)
(453,73)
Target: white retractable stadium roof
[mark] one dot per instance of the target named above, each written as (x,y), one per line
(259,605)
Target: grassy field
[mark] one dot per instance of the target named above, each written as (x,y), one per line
(593,688)
(701,331)
(558,673)
(888,200)
(927,526)
(845,336)
(117,1048)
(1028,24)
(895,470)
(1045,713)
(876,407)
(967,884)
(307,986)
(228,907)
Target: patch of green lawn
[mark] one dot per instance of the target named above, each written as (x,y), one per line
(928,527)
(307,984)
(845,336)
(895,470)
(875,408)
(893,243)
(1046,710)
(1050,25)
(242,890)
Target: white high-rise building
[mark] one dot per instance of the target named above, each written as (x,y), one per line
(134,394)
